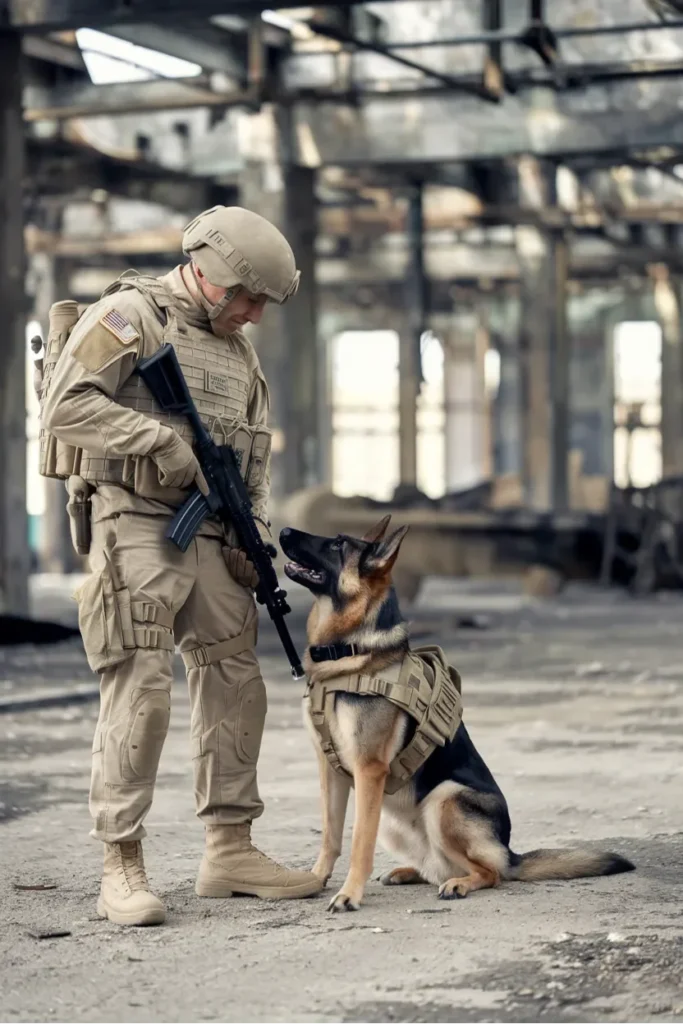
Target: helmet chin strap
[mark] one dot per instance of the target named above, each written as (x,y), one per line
(213,310)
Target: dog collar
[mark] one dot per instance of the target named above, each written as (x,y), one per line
(333,652)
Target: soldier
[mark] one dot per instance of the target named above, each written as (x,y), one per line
(144,596)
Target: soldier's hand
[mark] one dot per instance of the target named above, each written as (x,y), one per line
(240,567)
(177,463)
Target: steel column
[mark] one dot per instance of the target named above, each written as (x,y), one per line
(409,356)
(14,549)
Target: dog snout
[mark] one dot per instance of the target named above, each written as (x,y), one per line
(287,539)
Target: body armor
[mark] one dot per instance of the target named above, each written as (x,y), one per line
(218,377)
(422,684)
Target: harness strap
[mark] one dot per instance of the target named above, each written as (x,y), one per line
(413,699)
(203,655)
(428,691)
(145,611)
(321,704)
(154,638)
(148,285)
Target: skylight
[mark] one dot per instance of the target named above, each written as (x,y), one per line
(109,59)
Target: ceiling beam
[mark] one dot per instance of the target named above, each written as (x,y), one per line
(501,36)
(54,52)
(88,100)
(46,15)
(59,171)
(135,243)
(442,128)
(456,83)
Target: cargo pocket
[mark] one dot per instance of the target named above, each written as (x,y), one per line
(251,714)
(145,735)
(105,622)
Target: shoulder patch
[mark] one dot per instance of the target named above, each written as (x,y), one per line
(99,346)
(120,327)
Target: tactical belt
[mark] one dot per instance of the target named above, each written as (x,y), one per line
(423,685)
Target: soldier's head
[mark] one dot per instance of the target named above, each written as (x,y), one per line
(240,261)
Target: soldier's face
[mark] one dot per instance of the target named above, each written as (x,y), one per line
(243,309)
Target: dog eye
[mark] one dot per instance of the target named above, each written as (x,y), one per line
(336,544)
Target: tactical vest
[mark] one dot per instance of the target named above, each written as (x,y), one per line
(219,380)
(423,685)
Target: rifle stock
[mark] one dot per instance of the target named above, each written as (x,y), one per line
(228,498)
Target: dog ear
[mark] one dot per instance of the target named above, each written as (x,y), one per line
(381,557)
(377,531)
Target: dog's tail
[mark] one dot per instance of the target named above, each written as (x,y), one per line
(537,865)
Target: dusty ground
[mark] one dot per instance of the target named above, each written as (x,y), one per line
(577,705)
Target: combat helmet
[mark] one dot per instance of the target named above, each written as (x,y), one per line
(233,246)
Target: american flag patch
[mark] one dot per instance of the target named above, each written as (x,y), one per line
(119,327)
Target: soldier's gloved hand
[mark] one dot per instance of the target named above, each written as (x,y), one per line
(240,567)
(177,463)
(237,560)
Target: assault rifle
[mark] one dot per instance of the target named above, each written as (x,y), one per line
(228,498)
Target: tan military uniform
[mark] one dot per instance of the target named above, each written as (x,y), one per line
(144,596)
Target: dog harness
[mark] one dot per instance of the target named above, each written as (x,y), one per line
(423,685)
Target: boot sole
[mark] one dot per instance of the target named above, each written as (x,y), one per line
(224,890)
(150,917)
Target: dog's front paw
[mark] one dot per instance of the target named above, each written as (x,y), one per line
(453,889)
(342,901)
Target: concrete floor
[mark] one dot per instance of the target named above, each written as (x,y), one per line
(577,706)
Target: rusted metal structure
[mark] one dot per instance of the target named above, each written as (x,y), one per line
(424,157)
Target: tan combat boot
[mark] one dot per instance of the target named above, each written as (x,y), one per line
(231,864)
(125,897)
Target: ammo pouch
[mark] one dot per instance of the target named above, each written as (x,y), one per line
(261,442)
(423,685)
(251,446)
(112,626)
(57,459)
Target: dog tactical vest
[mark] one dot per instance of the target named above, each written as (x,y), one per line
(219,380)
(423,685)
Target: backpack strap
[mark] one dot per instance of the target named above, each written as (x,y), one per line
(149,286)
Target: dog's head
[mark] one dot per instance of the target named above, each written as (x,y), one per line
(342,568)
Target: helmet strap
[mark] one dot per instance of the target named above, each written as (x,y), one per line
(213,311)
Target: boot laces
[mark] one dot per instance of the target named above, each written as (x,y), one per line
(133,866)
(253,852)
(266,860)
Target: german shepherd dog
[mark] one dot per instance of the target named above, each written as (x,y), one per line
(450,824)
